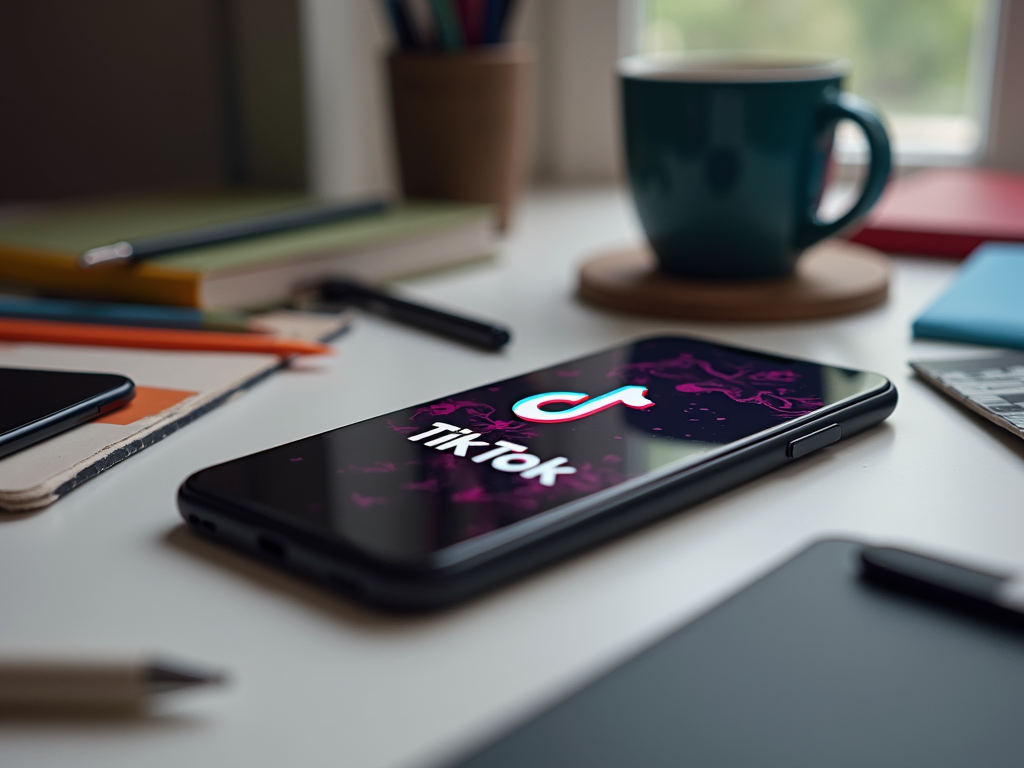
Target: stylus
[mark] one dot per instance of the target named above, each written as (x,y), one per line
(125,252)
(997,595)
(95,683)
(438,321)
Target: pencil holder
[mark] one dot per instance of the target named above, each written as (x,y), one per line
(461,123)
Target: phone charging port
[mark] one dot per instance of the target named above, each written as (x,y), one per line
(271,548)
(345,584)
(198,522)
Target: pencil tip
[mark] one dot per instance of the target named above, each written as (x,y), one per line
(118,253)
(163,676)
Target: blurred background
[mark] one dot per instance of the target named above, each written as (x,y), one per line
(925,62)
(116,96)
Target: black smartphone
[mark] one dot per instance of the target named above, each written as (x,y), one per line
(35,405)
(431,504)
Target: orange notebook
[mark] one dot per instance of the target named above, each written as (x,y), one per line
(946,212)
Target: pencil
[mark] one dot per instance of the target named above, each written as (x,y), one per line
(405,34)
(53,332)
(32,684)
(492,22)
(115,313)
(447,24)
(471,18)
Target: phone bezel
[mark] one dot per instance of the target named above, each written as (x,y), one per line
(65,418)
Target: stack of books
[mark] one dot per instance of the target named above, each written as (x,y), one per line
(41,252)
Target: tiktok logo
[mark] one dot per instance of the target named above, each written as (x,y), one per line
(512,457)
(529,408)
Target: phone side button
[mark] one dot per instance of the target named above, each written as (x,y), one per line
(812,442)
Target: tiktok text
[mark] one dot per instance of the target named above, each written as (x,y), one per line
(504,457)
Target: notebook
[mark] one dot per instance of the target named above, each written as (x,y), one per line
(984,305)
(40,252)
(990,386)
(946,212)
(810,667)
(173,388)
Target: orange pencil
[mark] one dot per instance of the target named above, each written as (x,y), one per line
(53,332)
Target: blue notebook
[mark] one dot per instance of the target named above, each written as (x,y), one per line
(986,303)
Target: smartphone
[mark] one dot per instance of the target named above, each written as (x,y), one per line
(431,504)
(36,405)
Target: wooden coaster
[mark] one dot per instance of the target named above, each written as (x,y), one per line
(832,278)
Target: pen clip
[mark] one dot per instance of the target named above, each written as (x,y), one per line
(106,255)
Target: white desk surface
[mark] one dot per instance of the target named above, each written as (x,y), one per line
(317,681)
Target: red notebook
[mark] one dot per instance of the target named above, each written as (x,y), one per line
(946,212)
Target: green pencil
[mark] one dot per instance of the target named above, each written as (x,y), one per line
(447,24)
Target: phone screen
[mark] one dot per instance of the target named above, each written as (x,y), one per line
(432,476)
(30,396)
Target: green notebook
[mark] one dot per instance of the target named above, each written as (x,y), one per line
(41,252)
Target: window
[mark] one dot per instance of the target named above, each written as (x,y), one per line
(926,63)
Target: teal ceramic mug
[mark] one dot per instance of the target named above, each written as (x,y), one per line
(728,159)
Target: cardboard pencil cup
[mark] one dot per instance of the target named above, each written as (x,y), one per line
(461,123)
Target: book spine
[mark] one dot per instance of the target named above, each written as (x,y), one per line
(58,274)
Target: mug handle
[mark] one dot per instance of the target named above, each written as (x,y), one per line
(848,106)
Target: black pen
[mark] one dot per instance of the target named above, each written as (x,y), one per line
(464,329)
(998,596)
(125,252)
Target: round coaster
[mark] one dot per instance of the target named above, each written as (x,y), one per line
(832,278)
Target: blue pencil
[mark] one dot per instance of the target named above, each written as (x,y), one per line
(112,313)
(492,22)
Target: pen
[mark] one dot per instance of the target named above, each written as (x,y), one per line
(60,683)
(125,252)
(113,313)
(463,329)
(52,332)
(996,595)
